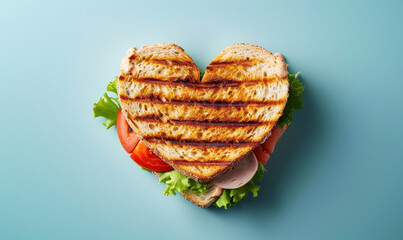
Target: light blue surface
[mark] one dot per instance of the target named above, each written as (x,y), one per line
(336,173)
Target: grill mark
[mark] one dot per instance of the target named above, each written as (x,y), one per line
(155,119)
(267,80)
(246,62)
(212,67)
(236,62)
(201,163)
(171,62)
(206,103)
(214,83)
(230,62)
(188,83)
(198,143)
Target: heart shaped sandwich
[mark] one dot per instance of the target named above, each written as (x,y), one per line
(209,128)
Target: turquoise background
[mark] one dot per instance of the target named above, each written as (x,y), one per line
(336,173)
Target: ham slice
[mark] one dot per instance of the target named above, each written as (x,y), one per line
(240,175)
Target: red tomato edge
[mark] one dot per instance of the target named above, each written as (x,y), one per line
(138,151)
(129,140)
(143,156)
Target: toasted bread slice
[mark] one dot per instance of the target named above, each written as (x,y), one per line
(202,128)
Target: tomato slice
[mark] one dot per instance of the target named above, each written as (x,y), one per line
(139,151)
(263,151)
(129,140)
(143,156)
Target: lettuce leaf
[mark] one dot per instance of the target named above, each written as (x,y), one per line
(294,101)
(230,197)
(177,182)
(108,106)
(112,86)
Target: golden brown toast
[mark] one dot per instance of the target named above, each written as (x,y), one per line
(202,128)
